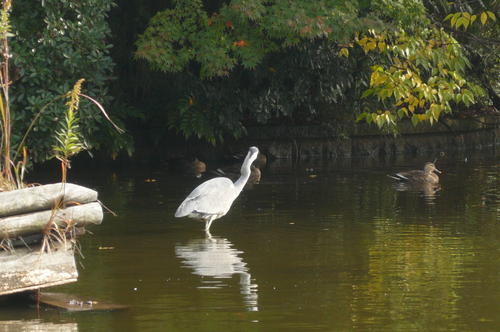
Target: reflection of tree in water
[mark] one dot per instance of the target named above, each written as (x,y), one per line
(215,258)
(412,267)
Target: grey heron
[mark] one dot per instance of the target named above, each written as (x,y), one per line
(426,175)
(213,198)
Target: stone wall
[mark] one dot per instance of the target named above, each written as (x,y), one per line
(314,142)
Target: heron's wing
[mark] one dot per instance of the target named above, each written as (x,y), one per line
(214,196)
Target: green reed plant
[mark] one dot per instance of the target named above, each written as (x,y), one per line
(69,139)
(69,142)
(7,180)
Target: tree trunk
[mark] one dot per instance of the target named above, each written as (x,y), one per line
(43,198)
(36,222)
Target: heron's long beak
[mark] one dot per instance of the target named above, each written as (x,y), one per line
(436,170)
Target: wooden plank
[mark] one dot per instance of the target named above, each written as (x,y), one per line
(79,215)
(77,303)
(26,269)
(43,198)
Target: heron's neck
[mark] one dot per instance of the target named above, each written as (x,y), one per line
(245,174)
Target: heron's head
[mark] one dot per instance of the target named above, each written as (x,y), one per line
(253,149)
(430,167)
(252,153)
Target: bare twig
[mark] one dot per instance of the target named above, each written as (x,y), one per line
(121,131)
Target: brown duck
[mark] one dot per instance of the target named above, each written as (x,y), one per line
(197,167)
(427,175)
(255,175)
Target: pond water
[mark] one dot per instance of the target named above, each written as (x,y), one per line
(315,246)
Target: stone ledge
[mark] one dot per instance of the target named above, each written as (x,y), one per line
(311,142)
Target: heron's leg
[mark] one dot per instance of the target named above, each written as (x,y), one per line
(208,223)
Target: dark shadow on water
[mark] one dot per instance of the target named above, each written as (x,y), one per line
(18,312)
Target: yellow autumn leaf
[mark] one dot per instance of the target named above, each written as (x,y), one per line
(371,45)
(484,17)
(344,52)
(362,42)
(381,46)
(455,18)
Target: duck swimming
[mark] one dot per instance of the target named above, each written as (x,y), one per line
(427,175)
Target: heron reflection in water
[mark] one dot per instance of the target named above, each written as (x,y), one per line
(216,258)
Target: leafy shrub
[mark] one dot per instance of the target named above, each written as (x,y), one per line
(56,43)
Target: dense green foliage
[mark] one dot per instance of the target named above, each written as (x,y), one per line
(210,69)
(246,62)
(474,25)
(55,44)
(239,32)
(288,88)
(251,61)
